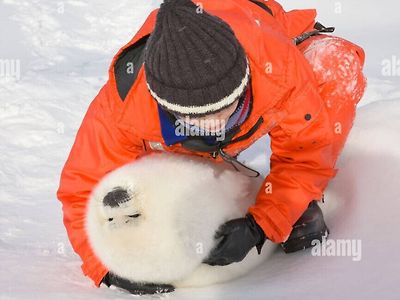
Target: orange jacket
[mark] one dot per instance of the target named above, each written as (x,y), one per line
(115,132)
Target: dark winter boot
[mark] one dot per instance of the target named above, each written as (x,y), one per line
(311,226)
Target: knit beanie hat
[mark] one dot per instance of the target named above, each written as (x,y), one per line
(194,64)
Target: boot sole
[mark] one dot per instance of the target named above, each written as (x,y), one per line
(304,242)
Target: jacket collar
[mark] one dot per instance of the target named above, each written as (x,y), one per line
(171,135)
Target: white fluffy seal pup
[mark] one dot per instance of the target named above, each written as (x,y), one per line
(162,226)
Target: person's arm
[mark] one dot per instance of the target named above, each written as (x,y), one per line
(302,163)
(303,156)
(99,147)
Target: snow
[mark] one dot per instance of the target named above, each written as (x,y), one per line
(64,49)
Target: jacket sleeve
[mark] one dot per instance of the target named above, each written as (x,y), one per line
(303,156)
(293,22)
(99,148)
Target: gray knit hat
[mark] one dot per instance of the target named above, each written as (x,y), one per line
(194,64)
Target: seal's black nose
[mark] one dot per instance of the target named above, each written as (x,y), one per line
(116,197)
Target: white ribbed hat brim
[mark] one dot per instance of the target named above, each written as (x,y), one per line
(207,108)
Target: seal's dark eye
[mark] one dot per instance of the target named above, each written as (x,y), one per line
(110,219)
(134,216)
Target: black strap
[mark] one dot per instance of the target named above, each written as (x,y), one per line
(247,134)
(319,28)
(199,145)
(263,6)
(237,165)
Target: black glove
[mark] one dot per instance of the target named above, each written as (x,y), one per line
(239,236)
(135,287)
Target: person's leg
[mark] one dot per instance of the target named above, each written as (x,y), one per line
(337,65)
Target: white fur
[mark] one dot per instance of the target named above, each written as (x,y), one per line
(182,201)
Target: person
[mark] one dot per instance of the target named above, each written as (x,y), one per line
(209,79)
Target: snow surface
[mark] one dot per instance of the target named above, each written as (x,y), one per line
(64,49)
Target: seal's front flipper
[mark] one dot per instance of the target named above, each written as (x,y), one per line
(137,288)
